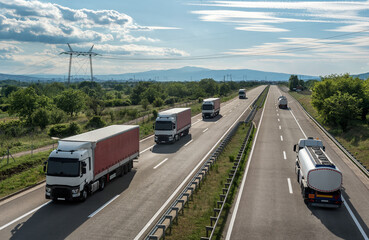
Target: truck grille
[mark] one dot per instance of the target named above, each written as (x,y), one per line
(61,193)
(163,138)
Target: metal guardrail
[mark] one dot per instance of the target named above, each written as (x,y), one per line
(364,169)
(171,214)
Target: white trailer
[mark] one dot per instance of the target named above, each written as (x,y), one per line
(320,180)
(210,107)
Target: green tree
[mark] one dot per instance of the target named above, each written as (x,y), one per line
(293,82)
(209,86)
(71,101)
(40,118)
(340,108)
(7,90)
(145,104)
(23,103)
(158,102)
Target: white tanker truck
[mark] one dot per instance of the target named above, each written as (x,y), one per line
(320,180)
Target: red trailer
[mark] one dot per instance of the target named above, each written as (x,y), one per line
(83,163)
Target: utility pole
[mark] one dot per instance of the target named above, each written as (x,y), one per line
(90,54)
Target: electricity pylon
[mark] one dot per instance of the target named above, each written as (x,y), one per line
(71,53)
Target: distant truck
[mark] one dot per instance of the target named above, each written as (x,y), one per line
(320,180)
(210,107)
(282,102)
(242,94)
(84,163)
(172,124)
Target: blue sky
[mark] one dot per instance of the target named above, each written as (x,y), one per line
(296,37)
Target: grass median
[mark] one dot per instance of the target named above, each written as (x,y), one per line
(191,225)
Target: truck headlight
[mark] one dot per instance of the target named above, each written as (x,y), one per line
(170,138)
(47,189)
(75,191)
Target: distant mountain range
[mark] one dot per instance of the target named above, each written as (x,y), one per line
(180,74)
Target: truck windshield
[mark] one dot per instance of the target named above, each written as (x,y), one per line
(63,167)
(207,107)
(163,125)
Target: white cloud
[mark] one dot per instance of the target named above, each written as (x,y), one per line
(35,21)
(254,13)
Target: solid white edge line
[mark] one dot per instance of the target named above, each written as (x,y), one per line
(144,229)
(166,159)
(344,202)
(146,149)
(355,220)
(188,143)
(205,130)
(230,227)
(289,185)
(24,215)
(102,207)
(284,155)
(146,138)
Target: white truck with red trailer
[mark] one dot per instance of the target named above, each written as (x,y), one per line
(282,102)
(210,107)
(84,163)
(320,180)
(172,124)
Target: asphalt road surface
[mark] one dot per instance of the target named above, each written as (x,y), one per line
(270,205)
(129,205)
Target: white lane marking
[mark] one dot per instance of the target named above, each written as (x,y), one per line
(280,127)
(102,207)
(355,220)
(148,224)
(224,115)
(344,202)
(205,130)
(230,111)
(277,114)
(281,138)
(24,215)
(146,138)
(289,185)
(146,149)
(196,122)
(230,227)
(284,155)
(161,163)
(279,120)
(298,124)
(188,143)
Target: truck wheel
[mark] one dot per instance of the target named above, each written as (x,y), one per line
(177,137)
(84,195)
(129,166)
(102,184)
(298,175)
(125,167)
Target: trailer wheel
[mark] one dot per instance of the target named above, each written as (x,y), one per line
(298,175)
(129,166)
(125,168)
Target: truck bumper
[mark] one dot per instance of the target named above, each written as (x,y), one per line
(62,193)
(163,138)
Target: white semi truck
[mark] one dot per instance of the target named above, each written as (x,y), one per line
(172,124)
(320,180)
(84,163)
(210,107)
(242,94)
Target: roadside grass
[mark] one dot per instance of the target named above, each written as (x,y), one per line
(355,139)
(25,171)
(191,225)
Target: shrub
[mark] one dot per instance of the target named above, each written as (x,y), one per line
(158,102)
(13,128)
(170,100)
(154,114)
(57,116)
(40,118)
(95,122)
(132,113)
(64,130)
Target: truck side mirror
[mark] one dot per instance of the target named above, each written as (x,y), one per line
(294,147)
(45,166)
(324,148)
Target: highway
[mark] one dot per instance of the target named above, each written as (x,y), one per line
(269,204)
(129,205)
